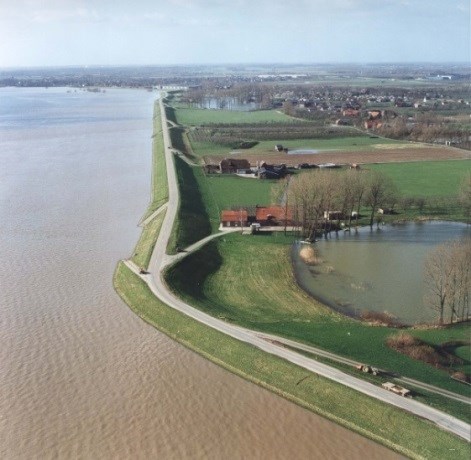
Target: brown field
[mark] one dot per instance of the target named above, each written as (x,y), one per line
(389,155)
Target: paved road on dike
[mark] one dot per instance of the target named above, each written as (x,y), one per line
(160,260)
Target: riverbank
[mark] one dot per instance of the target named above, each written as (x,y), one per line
(405,433)
(258,366)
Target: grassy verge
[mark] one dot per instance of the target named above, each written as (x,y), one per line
(147,240)
(434,400)
(192,222)
(394,428)
(159,168)
(249,281)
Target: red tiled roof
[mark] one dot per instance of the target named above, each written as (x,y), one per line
(276,213)
(234,216)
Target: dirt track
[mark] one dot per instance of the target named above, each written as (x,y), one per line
(389,155)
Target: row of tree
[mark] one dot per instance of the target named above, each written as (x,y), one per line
(314,197)
(447,274)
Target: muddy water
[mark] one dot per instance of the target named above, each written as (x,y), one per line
(80,375)
(379,270)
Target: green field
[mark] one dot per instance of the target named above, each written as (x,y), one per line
(192,222)
(226,192)
(248,280)
(349,144)
(426,178)
(197,117)
(383,423)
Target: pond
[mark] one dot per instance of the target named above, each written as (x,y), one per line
(302,152)
(378,270)
(228,103)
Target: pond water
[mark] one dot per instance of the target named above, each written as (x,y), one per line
(302,152)
(229,103)
(378,270)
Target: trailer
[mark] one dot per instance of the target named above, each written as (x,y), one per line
(367,369)
(396,389)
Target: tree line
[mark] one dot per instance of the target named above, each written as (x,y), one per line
(320,197)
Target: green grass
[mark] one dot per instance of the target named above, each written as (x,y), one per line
(344,144)
(394,428)
(426,178)
(197,117)
(248,280)
(159,168)
(225,192)
(147,240)
(192,222)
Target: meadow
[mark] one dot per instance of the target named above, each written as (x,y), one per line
(248,280)
(426,178)
(198,117)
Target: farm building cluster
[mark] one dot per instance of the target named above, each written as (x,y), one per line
(242,167)
(258,216)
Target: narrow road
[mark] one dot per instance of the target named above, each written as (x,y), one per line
(160,260)
(281,341)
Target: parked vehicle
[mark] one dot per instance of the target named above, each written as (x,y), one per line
(368,369)
(396,389)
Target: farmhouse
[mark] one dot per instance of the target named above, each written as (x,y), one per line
(234,218)
(266,171)
(233,165)
(273,215)
(260,216)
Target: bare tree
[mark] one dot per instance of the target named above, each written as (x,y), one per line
(380,191)
(447,273)
(310,194)
(437,272)
(465,196)
(352,189)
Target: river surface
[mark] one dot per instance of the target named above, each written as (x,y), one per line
(379,270)
(81,376)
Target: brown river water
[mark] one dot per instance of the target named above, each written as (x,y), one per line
(80,375)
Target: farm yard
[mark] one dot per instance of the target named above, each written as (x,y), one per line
(372,155)
(422,172)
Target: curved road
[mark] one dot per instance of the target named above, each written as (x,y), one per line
(160,260)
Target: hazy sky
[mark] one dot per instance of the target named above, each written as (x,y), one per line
(114,32)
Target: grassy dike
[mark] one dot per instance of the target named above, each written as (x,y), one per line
(385,424)
(382,423)
(159,192)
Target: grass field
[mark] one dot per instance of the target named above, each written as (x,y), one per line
(226,192)
(344,144)
(248,280)
(192,222)
(197,117)
(431,178)
(392,427)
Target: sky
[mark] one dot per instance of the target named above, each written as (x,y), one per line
(166,32)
